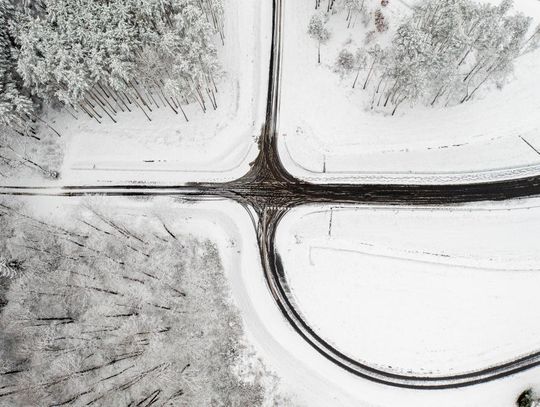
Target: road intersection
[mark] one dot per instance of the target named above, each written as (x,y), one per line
(268,191)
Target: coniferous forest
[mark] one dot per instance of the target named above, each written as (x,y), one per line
(441,54)
(99,58)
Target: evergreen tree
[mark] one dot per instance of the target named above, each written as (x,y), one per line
(354,8)
(16,107)
(94,54)
(360,61)
(533,42)
(345,62)
(318,31)
(111,314)
(380,21)
(448,50)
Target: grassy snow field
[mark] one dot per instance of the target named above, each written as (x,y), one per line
(424,291)
(325,125)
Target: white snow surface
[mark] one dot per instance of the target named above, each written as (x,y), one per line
(418,290)
(313,380)
(328,135)
(216,145)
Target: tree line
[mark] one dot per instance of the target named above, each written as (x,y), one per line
(99,58)
(443,53)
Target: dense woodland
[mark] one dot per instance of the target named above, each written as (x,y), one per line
(106,314)
(98,58)
(441,54)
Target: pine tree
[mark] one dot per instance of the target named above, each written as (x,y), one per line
(16,107)
(354,8)
(345,62)
(448,50)
(360,61)
(317,30)
(109,313)
(102,57)
(376,54)
(533,42)
(380,21)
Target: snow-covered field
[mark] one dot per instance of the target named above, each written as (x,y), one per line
(424,290)
(216,145)
(307,376)
(328,135)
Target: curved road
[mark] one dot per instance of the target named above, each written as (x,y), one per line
(268,191)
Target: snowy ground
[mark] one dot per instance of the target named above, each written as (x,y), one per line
(427,291)
(423,290)
(325,127)
(311,379)
(217,145)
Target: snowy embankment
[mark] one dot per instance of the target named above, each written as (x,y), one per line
(216,145)
(327,134)
(427,291)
